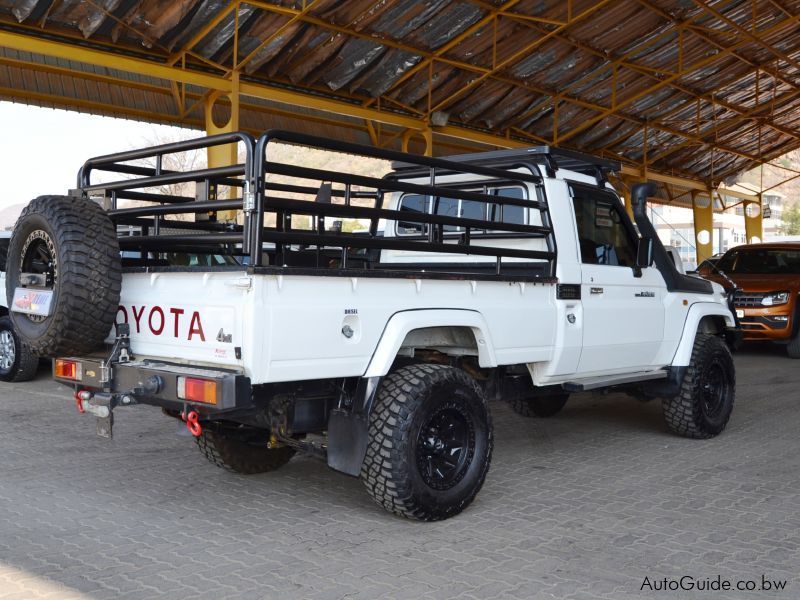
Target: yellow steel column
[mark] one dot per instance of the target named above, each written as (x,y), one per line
(753,221)
(427,136)
(625,192)
(223,156)
(703,209)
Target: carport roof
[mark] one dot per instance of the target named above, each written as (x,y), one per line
(693,88)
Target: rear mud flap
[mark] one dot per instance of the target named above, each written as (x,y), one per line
(347,442)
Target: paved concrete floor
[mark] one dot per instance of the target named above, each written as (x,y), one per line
(585,505)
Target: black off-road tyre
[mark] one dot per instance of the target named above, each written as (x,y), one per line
(539,406)
(240,456)
(793,347)
(74,243)
(3,256)
(430,442)
(704,404)
(17,361)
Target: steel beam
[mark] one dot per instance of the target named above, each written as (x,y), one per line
(666,81)
(169,73)
(524,51)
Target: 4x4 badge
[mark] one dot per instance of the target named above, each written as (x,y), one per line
(645,294)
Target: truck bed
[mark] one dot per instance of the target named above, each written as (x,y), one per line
(279,327)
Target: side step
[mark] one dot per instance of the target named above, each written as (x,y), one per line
(585,385)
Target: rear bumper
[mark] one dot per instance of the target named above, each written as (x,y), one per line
(156,383)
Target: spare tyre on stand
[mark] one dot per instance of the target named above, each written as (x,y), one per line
(66,248)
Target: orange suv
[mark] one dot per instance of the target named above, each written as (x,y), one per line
(766,304)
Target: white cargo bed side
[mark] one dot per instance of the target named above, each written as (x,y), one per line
(295,325)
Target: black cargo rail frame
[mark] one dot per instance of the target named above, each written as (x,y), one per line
(257,197)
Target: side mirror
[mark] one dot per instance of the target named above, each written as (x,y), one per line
(644,255)
(704,271)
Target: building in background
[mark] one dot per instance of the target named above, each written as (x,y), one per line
(675,227)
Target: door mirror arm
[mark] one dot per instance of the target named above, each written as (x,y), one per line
(644,255)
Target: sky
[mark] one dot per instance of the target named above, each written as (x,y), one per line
(41,149)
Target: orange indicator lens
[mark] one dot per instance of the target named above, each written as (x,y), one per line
(68,369)
(197,390)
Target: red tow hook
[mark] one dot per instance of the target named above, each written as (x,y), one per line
(82,396)
(192,420)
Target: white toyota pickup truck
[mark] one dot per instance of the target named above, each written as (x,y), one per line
(512,274)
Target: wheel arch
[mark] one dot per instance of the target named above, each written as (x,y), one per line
(703,317)
(432,328)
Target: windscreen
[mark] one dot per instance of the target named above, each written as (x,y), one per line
(761,261)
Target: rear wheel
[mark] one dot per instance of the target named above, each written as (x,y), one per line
(539,406)
(430,442)
(242,451)
(66,247)
(17,361)
(705,401)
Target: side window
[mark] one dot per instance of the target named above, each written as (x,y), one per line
(447,207)
(466,209)
(413,204)
(603,237)
(508,213)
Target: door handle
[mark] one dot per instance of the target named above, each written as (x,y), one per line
(596,290)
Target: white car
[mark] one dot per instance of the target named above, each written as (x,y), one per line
(17,362)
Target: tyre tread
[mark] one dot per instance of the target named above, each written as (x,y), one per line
(385,464)
(26,362)
(239,457)
(89,277)
(681,412)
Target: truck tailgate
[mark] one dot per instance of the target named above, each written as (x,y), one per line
(185,316)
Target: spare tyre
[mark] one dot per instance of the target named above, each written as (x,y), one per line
(65,248)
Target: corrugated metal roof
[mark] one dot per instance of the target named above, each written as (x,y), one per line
(695,87)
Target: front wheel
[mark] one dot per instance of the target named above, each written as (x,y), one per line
(793,347)
(430,442)
(704,404)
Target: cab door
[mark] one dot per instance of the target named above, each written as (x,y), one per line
(623,314)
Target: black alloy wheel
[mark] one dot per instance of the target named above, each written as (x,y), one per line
(715,389)
(445,447)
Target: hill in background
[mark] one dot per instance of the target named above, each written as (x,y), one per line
(9,214)
(773,174)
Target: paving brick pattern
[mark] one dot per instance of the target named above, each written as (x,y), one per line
(583,506)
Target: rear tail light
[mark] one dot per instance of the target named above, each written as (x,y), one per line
(68,369)
(197,390)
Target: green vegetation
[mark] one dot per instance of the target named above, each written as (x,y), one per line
(791,220)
